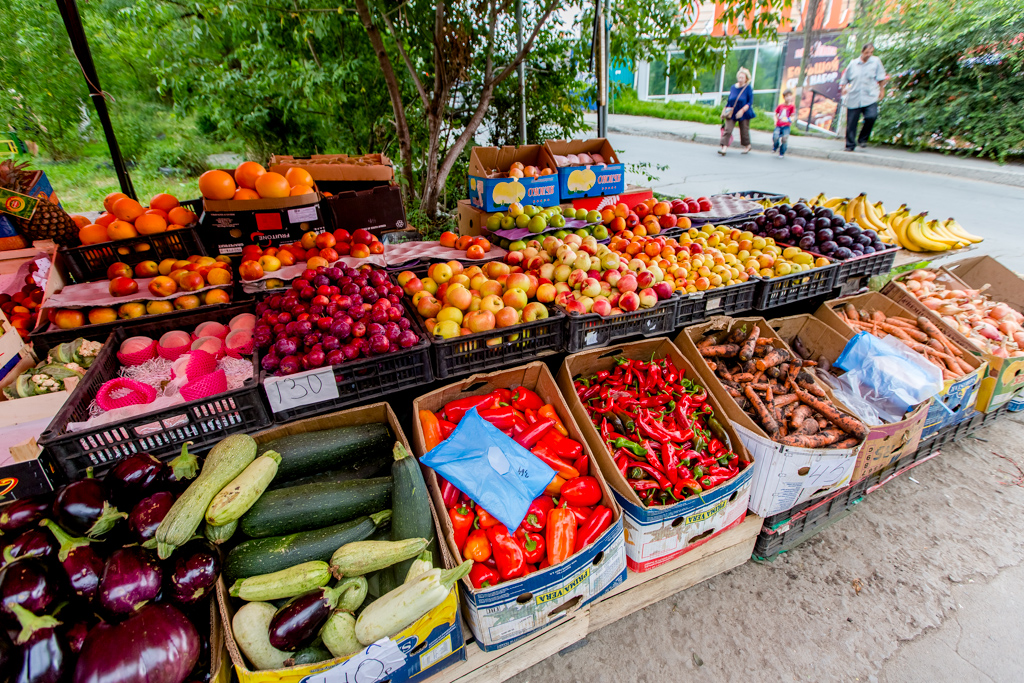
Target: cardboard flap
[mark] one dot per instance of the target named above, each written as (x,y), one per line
(599,145)
(484,161)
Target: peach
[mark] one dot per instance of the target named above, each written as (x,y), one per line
(492,303)
(629,301)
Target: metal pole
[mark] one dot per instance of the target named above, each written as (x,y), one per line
(522,73)
(602,71)
(73,24)
(810,110)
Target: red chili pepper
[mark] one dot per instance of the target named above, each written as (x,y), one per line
(482,576)
(449,494)
(503,418)
(599,520)
(622,463)
(484,519)
(477,548)
(642,484)
(548,411)
(546,456)
(462,523)
(532,434)
(581,513)
(565,448)
(582,465)
(671,460)
(714,447)
(531,416)
(581,491)
(588,393)
(446,428)
(651,470)
(685,485)
(523,398)
(533,546)
(507,553)
(504,396)
(455,410)
(537,514)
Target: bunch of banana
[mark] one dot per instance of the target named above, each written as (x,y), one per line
(866,215)
(916,233)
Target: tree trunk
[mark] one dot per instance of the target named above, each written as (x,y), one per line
(810,34)
(395,92)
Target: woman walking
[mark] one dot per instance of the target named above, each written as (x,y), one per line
(739,109)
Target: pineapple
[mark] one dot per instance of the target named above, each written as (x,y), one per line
(49,221)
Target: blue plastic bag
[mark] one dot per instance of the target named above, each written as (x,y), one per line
(492,469)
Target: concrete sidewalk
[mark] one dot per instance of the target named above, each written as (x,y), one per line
(820,148)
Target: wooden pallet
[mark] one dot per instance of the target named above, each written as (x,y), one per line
(723,552)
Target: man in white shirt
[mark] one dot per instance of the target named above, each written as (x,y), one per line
(863,84)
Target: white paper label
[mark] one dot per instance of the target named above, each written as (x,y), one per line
(376,663)
(302,214)
(825,473)
(714,303)
(301,389)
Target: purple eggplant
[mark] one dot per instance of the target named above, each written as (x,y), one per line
(83,508)
(46,657)
(10,658)
(30,583)
(158,644)
(148,513)
(135,477)
(298,622)
(80,561)
(31,543)
(23,513)
(131,578)
(194,572)
(74,635)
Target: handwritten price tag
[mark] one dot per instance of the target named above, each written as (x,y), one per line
(376,663)
(826,473)
(301,389)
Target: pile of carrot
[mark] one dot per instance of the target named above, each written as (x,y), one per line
(771,385)
(921,335)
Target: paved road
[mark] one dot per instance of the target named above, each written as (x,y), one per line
(994,211)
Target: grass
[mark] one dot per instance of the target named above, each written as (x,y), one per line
(627,103)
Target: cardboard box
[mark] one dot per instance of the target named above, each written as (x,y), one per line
(599,180)
(431,644)
(631,196)
(471,219)
(379,210)
(886,443)
(491,191)
(658,534)
(784,476)
(338,167)
(227,226)
(510,611)
(956,402)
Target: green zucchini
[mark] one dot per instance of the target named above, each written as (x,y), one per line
(310,655)
(220,534)
(339,634)
(224,462)
(354,593)
(410,509)
(328,449)
(363,557)
(313,506)
(286,583)
(274,553)
(243,491)
(380,466)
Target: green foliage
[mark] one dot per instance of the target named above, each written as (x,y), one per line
(956,72)
(627,103)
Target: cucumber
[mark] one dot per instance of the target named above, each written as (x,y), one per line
(363,557)
(274,553)
(411,516)
(243,491)
(286,583)
(328,449)
(314,506)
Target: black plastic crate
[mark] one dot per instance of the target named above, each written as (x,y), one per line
(731,300)
(160,433)
(591,331)
(367,379)
(878,263)
(793,532)
(757,195)
(787,289)
(993,415)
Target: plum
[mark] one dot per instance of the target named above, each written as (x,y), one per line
(827,247)
(807,241)
(825,235)
(844,241)
(842,253)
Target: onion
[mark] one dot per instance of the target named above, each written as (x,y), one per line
(914,286)
(932,303)
(987,330)
(1000,311)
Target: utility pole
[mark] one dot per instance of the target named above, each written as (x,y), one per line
(522,73)
(601,64)
(810,21)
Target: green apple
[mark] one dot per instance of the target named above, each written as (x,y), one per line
(504,243)
(601,232)
(518,245)
(508,222)
(531,210)
(522,220)
(581,214)
(557,221)
(494,222)
(583,232)
(561,234)
(537,225)
(594,216)
(569,212)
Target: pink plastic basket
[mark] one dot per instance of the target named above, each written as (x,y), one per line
(138,357)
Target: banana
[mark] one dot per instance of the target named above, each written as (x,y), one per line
(917,236)
(900,227)
(833,202)
(932,230)
(958,231)
(874,221)
(879,208)
(851,208)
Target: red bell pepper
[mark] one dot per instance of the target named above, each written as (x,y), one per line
(532,544)
(530,568)
(565,448)
(581,491)
(582,513)
(531,416)
(504,396)
(477,547)
(548,411)
(449,494)
(529,437)
(455,410)
(582,465)
(503,418)
(484,519)
(510,557)
(482,576)
(446,428)
(523,398)
(564,469)
(599,520)
(537,514)
(462,523)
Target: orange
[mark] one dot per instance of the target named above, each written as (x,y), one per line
(121,230)
(174,226)
(106,219)
(108,201)
(163,202)
(150,224)
(273,185)
(93,234)
(127,209)
(216,185)
(81,221)
(181,216)
(157,212)
(298,176)
(247,173)
(244,193)
(300,189)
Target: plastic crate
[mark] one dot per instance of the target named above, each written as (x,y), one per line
(758,195)
(160,433)
(787,289)
(367,379)
(878,263)
(719,301)
(591,331)
(495,349)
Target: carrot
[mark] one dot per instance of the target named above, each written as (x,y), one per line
(734,392)
(720,351)
(773,358)
(847,423)
(737,335)
(819,440)
(878,317)
(964,366)
(808,426)
(743,377)
(902,322)
(800,414)
(903,332)
(786,399)
(764,341)
(713,365)
(806,382)
(747,350)
(713,339)
(794,369)
(951,363)
(851,312)
(761,387)
(769,396)
(761,412)
(848,443)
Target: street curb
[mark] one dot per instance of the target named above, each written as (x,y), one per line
(864,158)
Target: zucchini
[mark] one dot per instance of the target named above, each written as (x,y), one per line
(224,462)
(380,466)
(251,628)
(310,655)
(219,534)
(241,492)
(422,564)
(410,508)
(286,583)
(274,553)
(339,634)
(328,449)
(313,506)
(363,557)
(354,593)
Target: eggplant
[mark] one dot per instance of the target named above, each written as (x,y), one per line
(83,508)
(297,624)
(24,513)
(74,635)
(158,644)
(183,469)
(31,543)
(135,477)
(194,572)
(10,658)
(131,578)
(46,657)
(82,565)
(29,583)
(148,513)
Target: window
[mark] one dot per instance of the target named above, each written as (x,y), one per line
(769,59)
(656,79)
(709,81)
(738,57)
(765,102)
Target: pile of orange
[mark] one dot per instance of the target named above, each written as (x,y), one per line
(125,218)
(252,181)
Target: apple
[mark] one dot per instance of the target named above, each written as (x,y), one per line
(404,277)
(248,270)
(450,313)
(69,318)
(98,316)
(612,277)
(648,298)
(447,329)
(577,278)
(644,278)
(606,289)
(562,272)
(428,307)
(492,303)
(547,272)
(413,285)
(162,286)
(582,261)
(531,291)
(627,283)
(613,299)
(166,266)
(216,296)
(629,301)
(192,282)
(147,269)
(430,285)
(546,293)
(490,287)
(535,311)
(601,306)
(481,321)
(158,307)
(663,289)
(219,276)
(506,317)
(657,272)
(186,302)
(574,306)
(131,310)
(118,269)
(636,265)
(517,281)
(459,297)
(440,272)
(562,287)
(590,287)
(476,281)
(271,263)
(515,298)
(123,286)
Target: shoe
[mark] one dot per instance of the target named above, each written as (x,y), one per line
(851,149)
(746,150)
(721,152)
